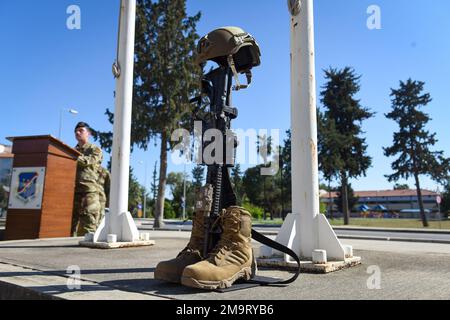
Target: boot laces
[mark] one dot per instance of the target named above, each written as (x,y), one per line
(230,225)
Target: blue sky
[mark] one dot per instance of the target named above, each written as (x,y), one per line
(45,67)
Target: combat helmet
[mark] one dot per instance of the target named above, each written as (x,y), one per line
(230,46)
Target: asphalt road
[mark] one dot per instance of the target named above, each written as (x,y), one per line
(341,232)
(394,235)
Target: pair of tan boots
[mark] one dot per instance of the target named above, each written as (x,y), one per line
(230,260)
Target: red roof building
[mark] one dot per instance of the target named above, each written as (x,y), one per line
(393,200)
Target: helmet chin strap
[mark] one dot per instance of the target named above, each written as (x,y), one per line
(248,75)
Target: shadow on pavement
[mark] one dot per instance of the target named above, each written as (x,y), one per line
(83,272)
(152,286)
(37,247)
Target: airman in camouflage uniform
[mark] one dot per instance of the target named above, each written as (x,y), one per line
(86,209)
(104,181)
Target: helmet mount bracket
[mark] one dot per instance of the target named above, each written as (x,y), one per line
(248,74)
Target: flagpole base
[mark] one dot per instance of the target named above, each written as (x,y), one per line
(127,237)
(324,240)
(309,266)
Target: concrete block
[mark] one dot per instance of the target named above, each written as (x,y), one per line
(145,236)
(112,238)
(319,256)
(348,251)
(265,251)
(89,237)
(116,245)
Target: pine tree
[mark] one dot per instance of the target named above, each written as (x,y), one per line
(154,186)
(264,149)
(352,199)
(236,180)
(412,143)
(135,193)
(286,174)
(343,119)
(198,174)
(328,152)
(399,186)
(166,75)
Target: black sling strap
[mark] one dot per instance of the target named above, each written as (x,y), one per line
(277,246)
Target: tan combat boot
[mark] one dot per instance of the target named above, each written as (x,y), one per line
(230,260)
(171,270)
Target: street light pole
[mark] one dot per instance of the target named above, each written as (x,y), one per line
(145,192)
(145,187)
(184,192)
(72,111)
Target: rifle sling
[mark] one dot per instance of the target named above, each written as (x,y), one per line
(277,246)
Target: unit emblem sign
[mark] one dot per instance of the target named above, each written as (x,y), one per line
(26,188)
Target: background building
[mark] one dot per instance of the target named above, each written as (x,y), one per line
(405,201)
(6,163)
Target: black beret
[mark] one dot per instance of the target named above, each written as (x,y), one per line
(83,125)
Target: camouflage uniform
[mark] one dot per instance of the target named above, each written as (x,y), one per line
(86,209)
(104,181)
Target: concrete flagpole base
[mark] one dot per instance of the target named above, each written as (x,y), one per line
(327,255)
(309,266)
(130,236)
(118,230)
(306,231)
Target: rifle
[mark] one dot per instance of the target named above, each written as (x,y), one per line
(217,87)
(218,114)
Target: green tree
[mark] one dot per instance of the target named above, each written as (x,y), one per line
(198,175)
(352,199)
(399,186)
(445,205)
(412,142)
(236,180)
(135,193)
(323,186)
(345,114)
(264,149)
(252,182)
(253,187)
(168,209)
(166,75)
(175,181)
(255,211)
(286,175)
(3,198)
(154,184)
(328,153)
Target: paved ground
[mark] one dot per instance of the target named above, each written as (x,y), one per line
(401,270)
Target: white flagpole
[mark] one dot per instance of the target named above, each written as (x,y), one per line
(119,221)
(305,230)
